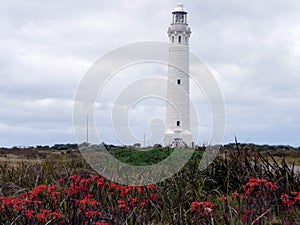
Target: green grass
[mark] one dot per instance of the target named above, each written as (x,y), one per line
(142,157)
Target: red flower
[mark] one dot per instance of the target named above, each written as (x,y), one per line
(297,198)
(8,201)
(18,204)
(41,217)
(88,200)
(101,182)
(37,202)
(247,212)
(52,188)
(113,185)
(256,221)
(271,186)
(286,201)
(154,197)
(55,195)
(145,202)
(73,177)
(56,215)
(85,181)
(236,194)
(91,213)
(223,198)
(259,193)
(151,187)
(46,212)
(134,202)
(123,206)
(29,214)
(202,208)
(140,189)
(125,190)
(257,185)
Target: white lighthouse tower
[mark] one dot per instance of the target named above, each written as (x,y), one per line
(178,132)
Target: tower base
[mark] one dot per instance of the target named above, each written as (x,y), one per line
(178,139)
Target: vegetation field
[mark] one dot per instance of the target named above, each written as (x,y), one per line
(245,184)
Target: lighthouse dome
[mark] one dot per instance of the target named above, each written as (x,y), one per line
(179,8)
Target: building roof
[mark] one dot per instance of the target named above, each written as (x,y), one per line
(179,8)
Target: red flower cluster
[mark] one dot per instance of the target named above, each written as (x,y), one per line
(90,200)
(254,205)
(290,201)
(260,195)
(286,201)
(246,215)
(258,186)
(30,204)
(203,209)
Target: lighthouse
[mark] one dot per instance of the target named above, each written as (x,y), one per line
(178,132)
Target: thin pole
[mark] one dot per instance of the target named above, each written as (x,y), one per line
(87,129)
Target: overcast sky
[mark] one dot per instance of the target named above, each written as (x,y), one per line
(46,47)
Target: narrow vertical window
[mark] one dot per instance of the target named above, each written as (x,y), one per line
(179,39)
(178,81)
(178,123)
(172,39)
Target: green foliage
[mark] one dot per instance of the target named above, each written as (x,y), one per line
(142,157)
(64,146)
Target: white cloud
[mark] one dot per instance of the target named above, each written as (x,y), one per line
(252,47)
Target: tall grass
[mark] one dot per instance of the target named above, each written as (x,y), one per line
(220,194)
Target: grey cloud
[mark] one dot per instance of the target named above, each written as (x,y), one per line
(46,47)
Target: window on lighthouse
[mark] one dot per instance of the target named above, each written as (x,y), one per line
(172,39)
(178,123)
(178,81)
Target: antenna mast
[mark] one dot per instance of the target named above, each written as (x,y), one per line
(87,129)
